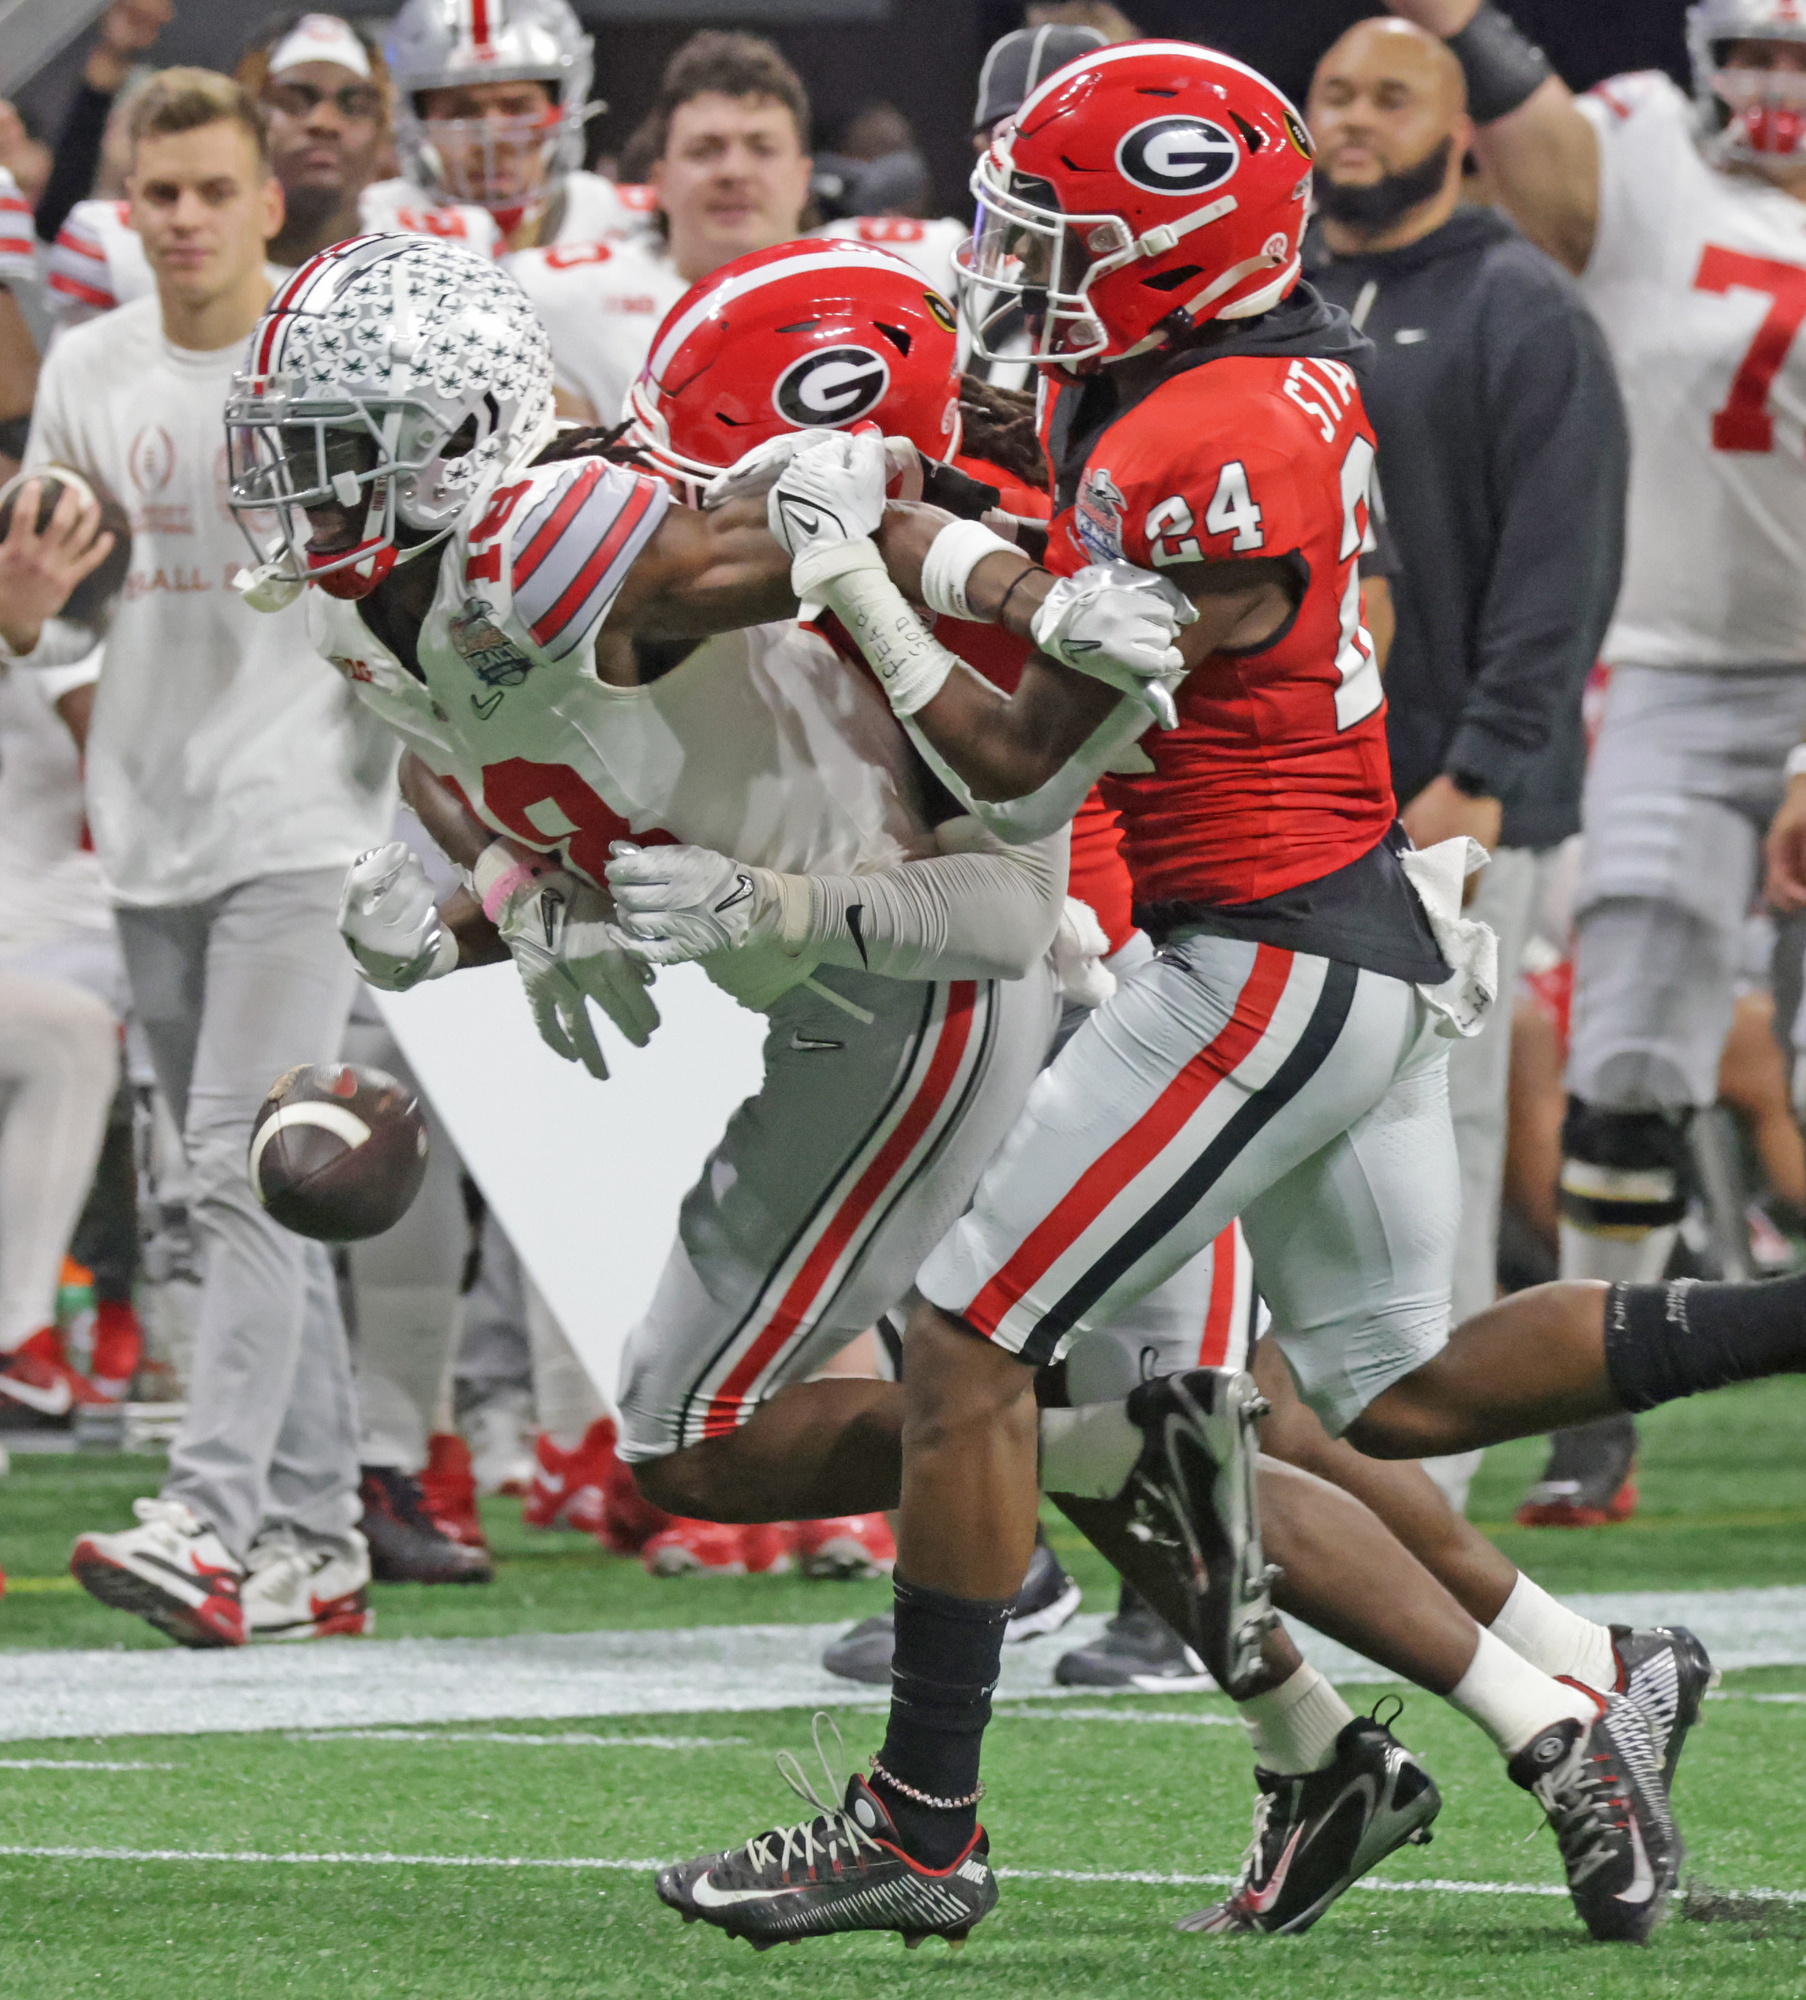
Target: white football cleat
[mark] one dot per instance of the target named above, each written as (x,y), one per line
(308,1589)
(171,1569)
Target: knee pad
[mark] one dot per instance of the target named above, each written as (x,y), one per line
(1623,1170)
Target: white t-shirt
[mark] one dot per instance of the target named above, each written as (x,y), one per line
(600,304)
(97,261)
(1698,277)
(50,881)
(760,744)
(222,747)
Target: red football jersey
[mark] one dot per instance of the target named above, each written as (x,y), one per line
(1277,773)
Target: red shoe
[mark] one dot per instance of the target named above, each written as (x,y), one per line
(717,1548)
(629,1520)
(590,1472)
(118,1348)
(449,1487)
(848,1545)
(37,1375)
(1561,1511)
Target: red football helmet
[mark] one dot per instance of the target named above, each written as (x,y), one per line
(811,333)
(1143,181)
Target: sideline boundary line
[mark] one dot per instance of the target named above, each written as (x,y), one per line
(1141,1878)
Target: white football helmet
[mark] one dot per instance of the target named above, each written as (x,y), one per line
(1758,115)
(390,377)
(507,165)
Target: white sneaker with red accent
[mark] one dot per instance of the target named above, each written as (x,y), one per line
(171,1569)
(299,1589)
(847,1545)
(717,1548)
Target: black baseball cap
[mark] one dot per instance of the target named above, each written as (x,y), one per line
(1021,62)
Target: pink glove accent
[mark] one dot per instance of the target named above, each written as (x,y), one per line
(522,875)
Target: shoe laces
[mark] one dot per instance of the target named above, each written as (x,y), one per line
(155,1512)
(1588,1806)
(1252,1853)
(832,1836)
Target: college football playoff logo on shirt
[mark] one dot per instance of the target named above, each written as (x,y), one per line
(1177,155)
(835,386)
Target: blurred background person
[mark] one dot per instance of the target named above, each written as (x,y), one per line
(1503,458)
(231,780)
(491,102)
(124,36)
(729,171)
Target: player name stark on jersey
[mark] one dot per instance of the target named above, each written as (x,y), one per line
(1698,277)
(759,744)
(1277,774)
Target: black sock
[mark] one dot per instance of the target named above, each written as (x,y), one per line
(949,1652)
(1672,1340)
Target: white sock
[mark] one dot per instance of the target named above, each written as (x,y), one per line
(1295,1727)
(1616,1260)
(1512,1700)
(1556,1639)
(1089,1451)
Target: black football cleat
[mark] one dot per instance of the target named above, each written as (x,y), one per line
(406,1544)
(1663,1672)
(1194,1496)
(1601,1786)
(1317,1835)
(1137,1649)
(843,1869)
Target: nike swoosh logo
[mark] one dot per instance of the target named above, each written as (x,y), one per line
(51,1402)
(737,894)
(486,705)
(855,916)
(1262,1903)
(804,1043)
(704,1893)
(1642,1881)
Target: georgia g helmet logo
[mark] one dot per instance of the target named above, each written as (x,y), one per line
(831,387)
(1177,155)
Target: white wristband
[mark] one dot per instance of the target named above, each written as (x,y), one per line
(952,557)
(1795,767)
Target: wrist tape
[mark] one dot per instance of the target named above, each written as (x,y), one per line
(911,664)
(952,557)
(1502,66)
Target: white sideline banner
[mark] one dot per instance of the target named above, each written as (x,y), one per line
(585,1177)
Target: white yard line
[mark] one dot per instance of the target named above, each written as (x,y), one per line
(702,1670)
(1086,1878)
(515,1739)
(76,1764)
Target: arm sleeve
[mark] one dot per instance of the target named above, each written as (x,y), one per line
(1113,746)
(18,253)
(77,157)
(980,909)
(571,539)
(1559,467)
(79,282)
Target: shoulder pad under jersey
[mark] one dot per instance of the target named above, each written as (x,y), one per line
(551,549)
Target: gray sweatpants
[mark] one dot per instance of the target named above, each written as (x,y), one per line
(230,993)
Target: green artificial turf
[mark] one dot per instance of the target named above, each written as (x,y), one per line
(1071,1792)
(1724,1506)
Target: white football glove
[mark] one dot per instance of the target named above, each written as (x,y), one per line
(680,903)
(1118,624)
(390,922)
(1080,947)
(829,493)
(754,475)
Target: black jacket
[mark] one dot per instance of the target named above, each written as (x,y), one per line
(1503,459)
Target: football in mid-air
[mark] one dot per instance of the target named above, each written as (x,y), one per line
(91,601)
(338,1152)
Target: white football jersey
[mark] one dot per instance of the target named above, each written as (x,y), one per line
(18,239)
(97,261)
(929,245)
(598,210)
(760,744)
(600,304)
(1698,277)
